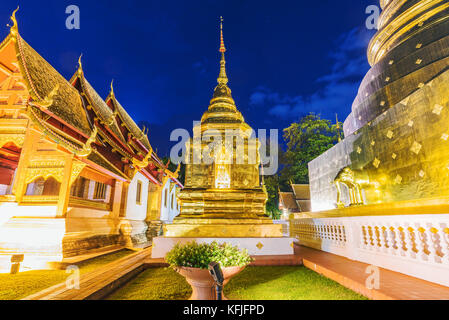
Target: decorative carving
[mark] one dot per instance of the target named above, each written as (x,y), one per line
(14,28)
(45,169)
(87,149)
(48,100)
(34,173)
(145,162)
(77,167)
(16,138)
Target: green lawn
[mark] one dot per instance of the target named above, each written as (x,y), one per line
(14,287)
(254,283)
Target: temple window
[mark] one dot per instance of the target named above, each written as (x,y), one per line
(99,191)
(139,192)
(42,187)
(80,188)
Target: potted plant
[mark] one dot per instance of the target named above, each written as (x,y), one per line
(192,261)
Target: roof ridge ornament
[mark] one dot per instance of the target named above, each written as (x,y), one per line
(80,64)
(14,28)
(87,148)
(49,99)
(112,88)
(141,164)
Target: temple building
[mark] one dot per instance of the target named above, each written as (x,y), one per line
(396,146)
(76,172)
(223,196)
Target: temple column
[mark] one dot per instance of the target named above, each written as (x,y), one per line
(64,191)
(124,199)
(116,199)
(154,211)
(154,202)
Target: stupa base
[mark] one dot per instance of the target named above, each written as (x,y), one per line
(223,228)
(255,246)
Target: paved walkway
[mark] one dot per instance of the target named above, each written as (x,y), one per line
(99,283)
(351,274)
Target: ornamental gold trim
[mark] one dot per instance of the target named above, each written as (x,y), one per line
(16,138)
(379,45)
(45,173)
(77,167)
(45,169)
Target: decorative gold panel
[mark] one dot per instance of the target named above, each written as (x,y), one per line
(77,167)
(45,169)
(17,138)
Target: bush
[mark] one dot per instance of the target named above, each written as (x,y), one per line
(194,255)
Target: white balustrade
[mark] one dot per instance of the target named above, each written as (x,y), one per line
(443,233)
(417,245)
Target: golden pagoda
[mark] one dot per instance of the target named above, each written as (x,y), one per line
(223,197)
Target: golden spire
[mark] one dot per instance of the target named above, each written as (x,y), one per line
(14,28)
(222,45)
(222,78)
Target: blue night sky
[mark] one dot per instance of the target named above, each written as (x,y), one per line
(284,58)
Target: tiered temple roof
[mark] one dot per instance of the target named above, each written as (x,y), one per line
(73,115)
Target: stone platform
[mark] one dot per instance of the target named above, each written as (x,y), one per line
(255,246)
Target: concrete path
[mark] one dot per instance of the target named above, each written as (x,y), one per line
(351,274)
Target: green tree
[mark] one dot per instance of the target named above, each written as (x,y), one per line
(306,139)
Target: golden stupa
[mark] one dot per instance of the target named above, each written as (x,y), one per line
(223,197)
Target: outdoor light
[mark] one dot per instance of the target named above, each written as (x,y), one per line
(16,259)
(217,274)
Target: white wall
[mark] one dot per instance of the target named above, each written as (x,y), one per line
(135,211)
(167,213)
(407,244)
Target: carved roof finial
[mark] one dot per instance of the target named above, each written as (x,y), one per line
(112,87)
(80,65)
